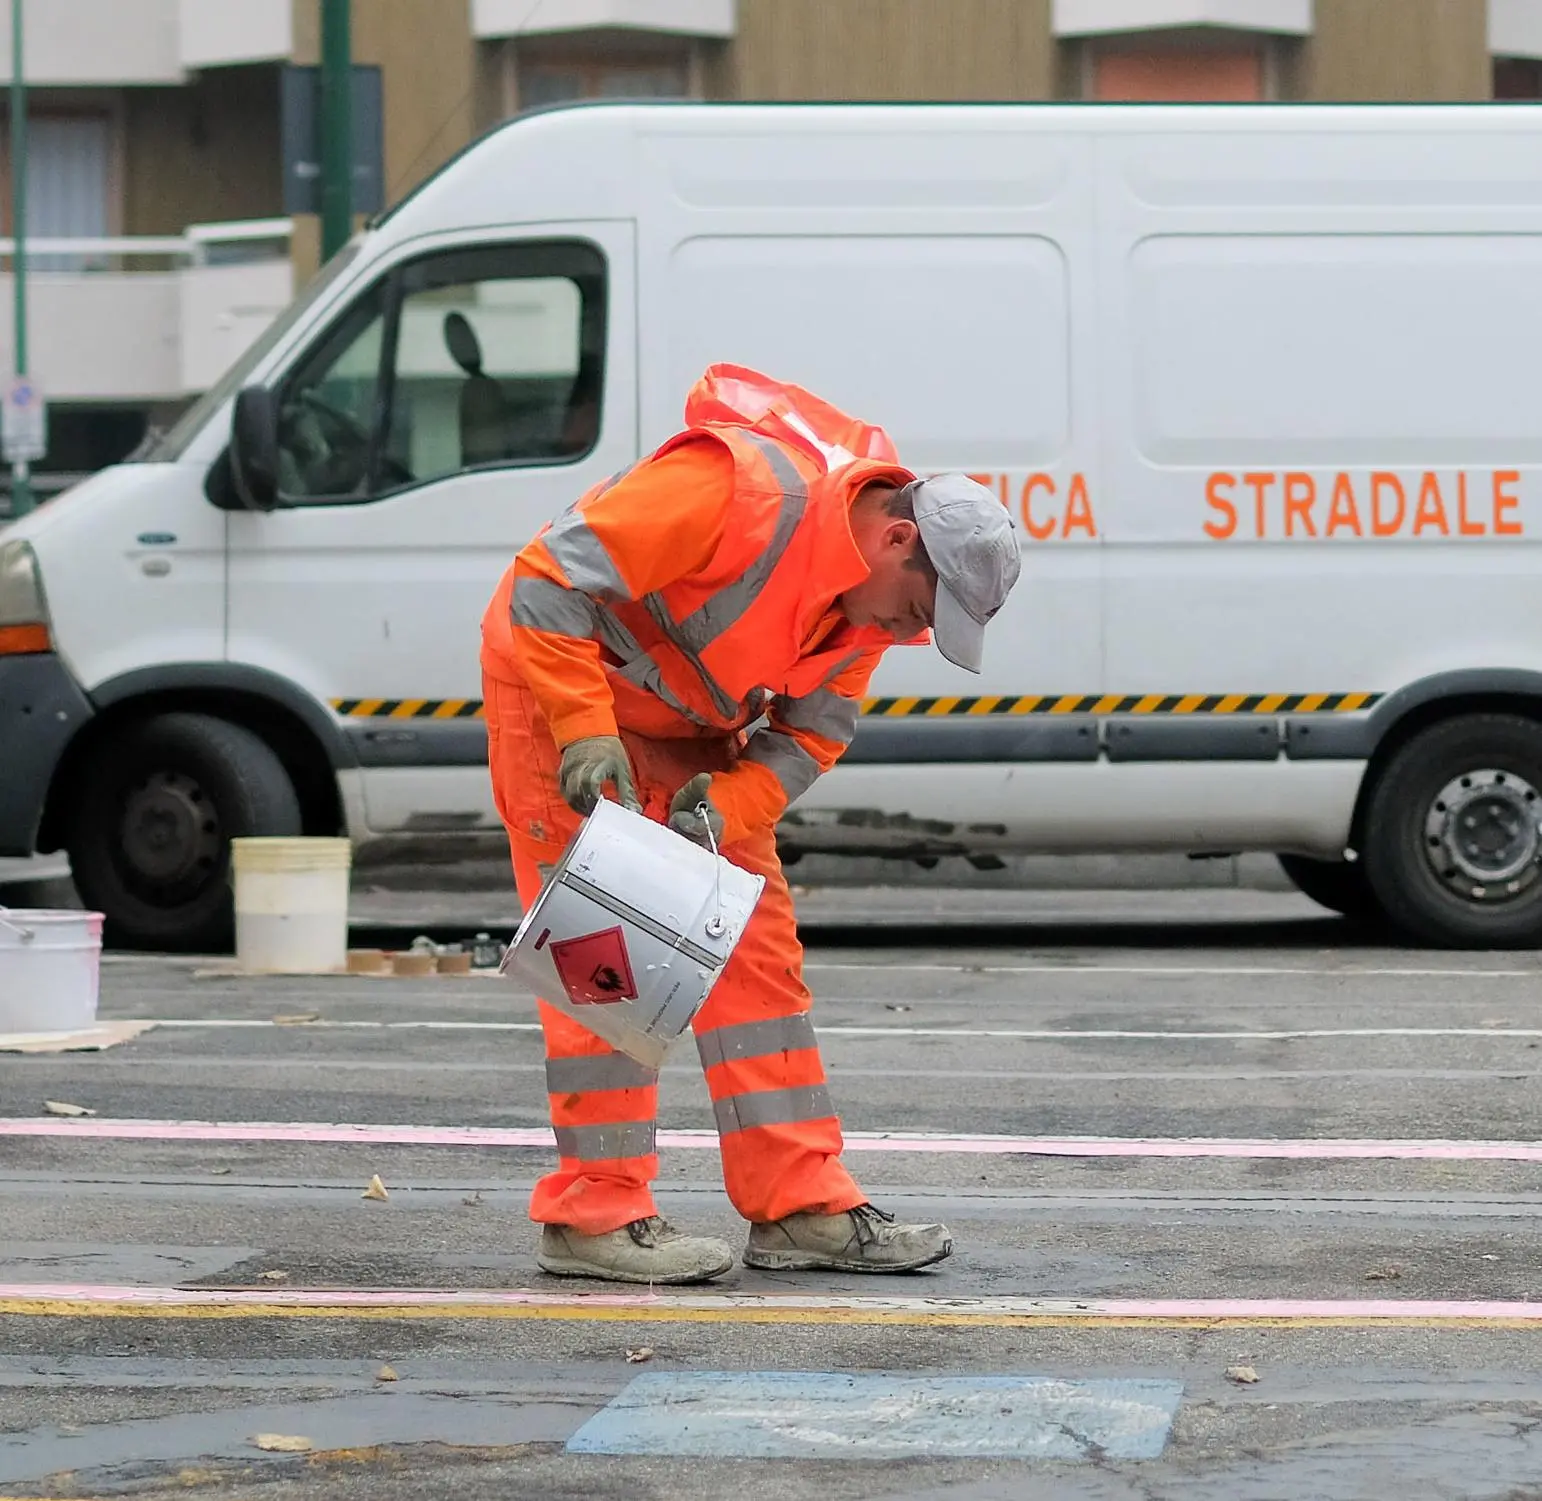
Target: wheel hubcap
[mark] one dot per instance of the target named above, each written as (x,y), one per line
(170,830)
(1482,837)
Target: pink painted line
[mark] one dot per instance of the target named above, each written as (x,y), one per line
(1318,1148)
(1364,1309)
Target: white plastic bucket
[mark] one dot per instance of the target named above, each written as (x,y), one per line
(291,904)
(632,930)
(50,970)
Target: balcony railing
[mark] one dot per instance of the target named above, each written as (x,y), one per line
(146,318)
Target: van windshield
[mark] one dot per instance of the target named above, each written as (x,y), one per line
(168,447)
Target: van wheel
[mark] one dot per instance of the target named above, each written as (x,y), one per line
(1452,834)
(1338,885)
(149,840)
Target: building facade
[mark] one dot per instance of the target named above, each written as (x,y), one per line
(159,242)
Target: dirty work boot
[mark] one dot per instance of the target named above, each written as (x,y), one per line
(647,1250)
(863,1239)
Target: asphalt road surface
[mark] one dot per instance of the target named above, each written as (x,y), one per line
(1181,1142)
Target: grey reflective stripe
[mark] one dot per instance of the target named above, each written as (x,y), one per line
(840,667)
(772,1107)
(580,556)
(822,713)
(725,608)
(781,755)
(722,700)
(597,1071)
(782,1034)
(645,673)
(605,1143)
(545,606)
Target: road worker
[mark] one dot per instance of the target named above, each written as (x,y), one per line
(750,572)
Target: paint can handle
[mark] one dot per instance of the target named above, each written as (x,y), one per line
(28,934)
(717,924)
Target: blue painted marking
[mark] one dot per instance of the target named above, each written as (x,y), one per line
(816,1415)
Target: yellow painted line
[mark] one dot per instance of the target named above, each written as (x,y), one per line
(938,1318)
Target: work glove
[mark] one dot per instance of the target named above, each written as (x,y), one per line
(587,765)
(684,817)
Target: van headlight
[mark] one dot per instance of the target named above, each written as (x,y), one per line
(23,610)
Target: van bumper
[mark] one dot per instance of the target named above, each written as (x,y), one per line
(41,710)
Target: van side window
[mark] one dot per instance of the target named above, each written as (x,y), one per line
(462,360)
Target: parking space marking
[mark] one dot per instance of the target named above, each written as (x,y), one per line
(69,1300)
(99,1128)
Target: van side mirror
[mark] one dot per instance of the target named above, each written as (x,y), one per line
(254,449)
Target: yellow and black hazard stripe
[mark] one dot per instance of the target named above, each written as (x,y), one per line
(408,708)
(987,705)
(981,705)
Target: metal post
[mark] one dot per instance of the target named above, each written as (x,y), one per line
(336,128)
(21,481)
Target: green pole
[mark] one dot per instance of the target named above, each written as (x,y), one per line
(21,482)
(336,128)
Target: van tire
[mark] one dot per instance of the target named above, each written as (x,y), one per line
(1338,885)
(149,839)
(1452,843)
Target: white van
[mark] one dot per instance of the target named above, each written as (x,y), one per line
(1259,384)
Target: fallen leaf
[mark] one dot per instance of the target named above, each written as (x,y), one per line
(274,1276)
(1384,1274)
(63,1107)
(299,1019)
(1243,1375)
(385,1373)
(283,1443)
(640,1354)
(475,1201)
(1488,1256)
(220,1172)
(376,1190)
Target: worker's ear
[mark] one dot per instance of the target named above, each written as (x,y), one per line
(901,534)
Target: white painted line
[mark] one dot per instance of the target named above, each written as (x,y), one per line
(1338,973)
(929,1142)
(1035,1034)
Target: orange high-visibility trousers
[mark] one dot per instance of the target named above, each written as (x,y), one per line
(778,1131)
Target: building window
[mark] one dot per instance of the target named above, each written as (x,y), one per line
(1517,78)
(1177,74)
(69,184)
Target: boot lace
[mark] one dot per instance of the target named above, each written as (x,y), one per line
(650,1231)
(869,1222)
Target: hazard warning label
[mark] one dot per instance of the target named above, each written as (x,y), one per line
(595,969)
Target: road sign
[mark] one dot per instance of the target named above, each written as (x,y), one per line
(23,422)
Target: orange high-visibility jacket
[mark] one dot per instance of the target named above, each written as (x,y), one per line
(695,594)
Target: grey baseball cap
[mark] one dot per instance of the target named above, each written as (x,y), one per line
(972,544)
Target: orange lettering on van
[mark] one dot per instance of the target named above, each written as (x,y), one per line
(1343,513)
(1300,497)
(1432,507)
(1506,500)
(1380,525)
(1223,528)
(1078,509)
(1260,484)
(1465,525)
(1039,532)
